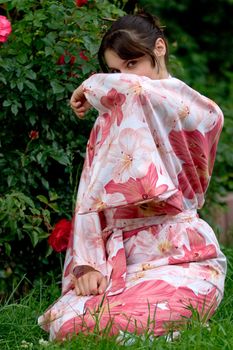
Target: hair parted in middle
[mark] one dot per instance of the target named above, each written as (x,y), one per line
(132,36)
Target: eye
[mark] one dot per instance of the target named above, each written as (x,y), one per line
(131,64)
(113,70)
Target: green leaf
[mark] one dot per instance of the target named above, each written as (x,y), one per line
(57,88)
(28,105)
(49,251)
(45,183)
(30,85)
(24,199)
(43,235)
(20,85)
(33,234)
(54,206)
(42,199)
(27,39)
(61,158)
(49,104)
(14,109)
(3,80)
(39,157)
(49,51)
(7,247)
(22,58)
(31,75)
(35,211)
(46,214)
(86,68)
(53,196)
(7,103)
(11,180)
(12,84)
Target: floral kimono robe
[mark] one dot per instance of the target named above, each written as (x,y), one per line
(148,165)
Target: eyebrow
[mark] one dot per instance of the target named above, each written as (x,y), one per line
(112,68)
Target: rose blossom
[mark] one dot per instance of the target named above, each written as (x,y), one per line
(60,235)
(80,3)
(83,56)
(5,29)
(34,134)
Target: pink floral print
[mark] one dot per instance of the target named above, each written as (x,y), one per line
(202,149)
(148,164)
(113,101)
(133,189)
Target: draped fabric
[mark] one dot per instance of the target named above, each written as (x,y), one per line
(149,160)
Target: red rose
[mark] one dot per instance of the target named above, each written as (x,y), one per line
(60,235)
(80,3)
(61,59)
(72,60)
(5,29)
(83,56)
(34,134)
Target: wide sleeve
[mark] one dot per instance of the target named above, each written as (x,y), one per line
(154,140)
(123,165)
(86,249)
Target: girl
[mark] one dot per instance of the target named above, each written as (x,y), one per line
(139,257)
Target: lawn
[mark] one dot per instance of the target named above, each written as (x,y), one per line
(19,330)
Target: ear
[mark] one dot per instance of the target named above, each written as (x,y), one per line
(160,48)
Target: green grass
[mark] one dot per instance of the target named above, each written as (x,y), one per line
(19,330)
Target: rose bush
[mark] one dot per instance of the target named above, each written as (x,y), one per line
(51,50)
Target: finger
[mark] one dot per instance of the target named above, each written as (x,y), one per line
(77,97)
(77,290)
(93,285)
(80,109)
(77,94)
(76,103)
(86,283)
(102,285)
(80,112)
(75,282)
(80,115)
(81,286)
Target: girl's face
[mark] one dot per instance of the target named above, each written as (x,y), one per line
(141,66)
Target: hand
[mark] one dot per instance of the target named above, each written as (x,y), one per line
(79,103)
(91,283)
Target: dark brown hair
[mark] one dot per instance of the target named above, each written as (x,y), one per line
(132,36)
